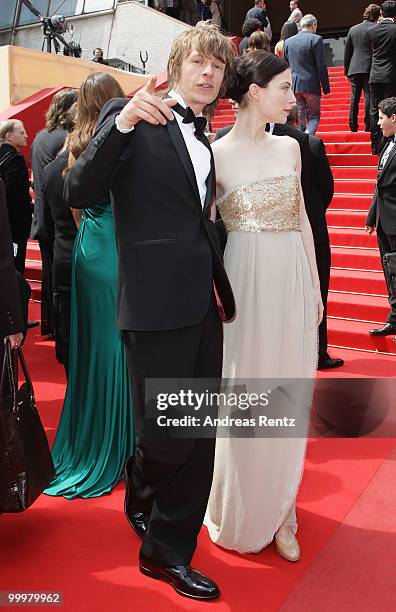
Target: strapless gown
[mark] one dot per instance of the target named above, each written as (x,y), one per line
(274,335)
(95,434)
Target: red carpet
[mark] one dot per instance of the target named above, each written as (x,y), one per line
(85,548)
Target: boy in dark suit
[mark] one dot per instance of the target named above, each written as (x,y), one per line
(382,213)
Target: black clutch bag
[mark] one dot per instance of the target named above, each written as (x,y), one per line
(26,466)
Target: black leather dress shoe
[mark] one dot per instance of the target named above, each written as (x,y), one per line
(326,362)
(137,520)
(31,324)
(183,578)
(386,330)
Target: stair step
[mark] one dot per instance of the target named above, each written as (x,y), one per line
(354,334)
(343,136)
(355,173)
(358,281)
(33,270)
(352,238)
(349,148)
(346,218)
(351,202)
(357,306)
(356,259)
(352,160)
(364,186)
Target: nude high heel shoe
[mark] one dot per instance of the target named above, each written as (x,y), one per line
(290,551)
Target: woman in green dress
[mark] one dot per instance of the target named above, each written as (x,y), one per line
(95,433)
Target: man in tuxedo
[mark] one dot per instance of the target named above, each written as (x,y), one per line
(304,53)
(15,174)
(12,324)
(159,169)
(382,79)
(317,199)
(357,65)
(382,213)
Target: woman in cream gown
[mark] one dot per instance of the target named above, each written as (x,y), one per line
(270,260)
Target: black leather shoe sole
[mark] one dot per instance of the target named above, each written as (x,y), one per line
(157,575)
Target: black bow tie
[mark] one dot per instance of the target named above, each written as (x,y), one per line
(189,117)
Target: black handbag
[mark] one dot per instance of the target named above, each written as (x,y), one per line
(389,261)
(26,466)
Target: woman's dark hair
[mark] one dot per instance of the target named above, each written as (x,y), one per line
(250,26)
(56,114)
(258,67)
(288,29)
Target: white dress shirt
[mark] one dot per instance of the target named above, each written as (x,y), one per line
(198,152)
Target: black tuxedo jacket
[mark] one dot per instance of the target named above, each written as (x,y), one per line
(357,53)
(44,149)
(383,206)
(11,319)
(383,43)
(19,202)
(169,250)
(282,129)
(321,192)
(57,217)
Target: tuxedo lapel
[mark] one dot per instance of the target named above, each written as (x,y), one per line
(180,146)
(387,163)
(210,182)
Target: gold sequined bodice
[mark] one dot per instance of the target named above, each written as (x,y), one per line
(268,205)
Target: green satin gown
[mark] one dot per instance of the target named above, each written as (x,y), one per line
(95,433)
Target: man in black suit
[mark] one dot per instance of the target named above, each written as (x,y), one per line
(382,213)
(15,174)
(317,199)
(357,65)
(58,217)
(11,317)
(160,173)
(383,68)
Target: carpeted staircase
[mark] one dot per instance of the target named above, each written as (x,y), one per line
(357,299)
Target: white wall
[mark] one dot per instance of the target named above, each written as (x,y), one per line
(123,34)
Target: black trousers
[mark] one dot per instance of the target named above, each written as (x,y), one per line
(387,244)
(323,262)
(47,311)
(359,83)
(171,477)
(62,316)
(378,92)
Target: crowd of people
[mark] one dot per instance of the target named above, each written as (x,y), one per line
(121,246)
